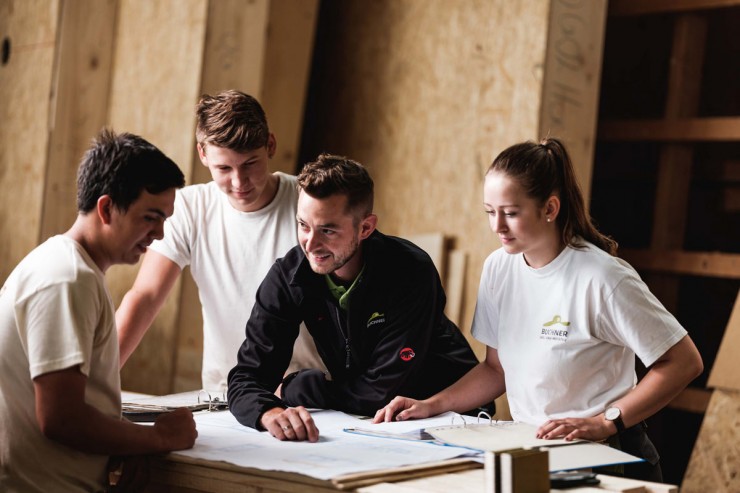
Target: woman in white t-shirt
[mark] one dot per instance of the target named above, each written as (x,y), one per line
(563,319)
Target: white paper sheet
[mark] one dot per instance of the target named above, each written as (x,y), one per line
(222,438)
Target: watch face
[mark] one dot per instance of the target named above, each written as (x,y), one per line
(612,413)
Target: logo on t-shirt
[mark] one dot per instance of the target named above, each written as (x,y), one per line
(407,354)
(375,318)
(555,330)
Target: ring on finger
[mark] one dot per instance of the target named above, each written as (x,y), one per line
(285,428)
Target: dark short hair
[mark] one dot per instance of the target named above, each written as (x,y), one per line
(232,120)
(121,166)
(330,175)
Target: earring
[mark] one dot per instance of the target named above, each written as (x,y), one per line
(548,219)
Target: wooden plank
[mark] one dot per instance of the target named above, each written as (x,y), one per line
(79,101)
(714,129)
(714,461)
(178,473)
(692,400)
(29,31)
(288,56)
(572,75)
(726,370)
(705,264)
(644,7)
(434,245)
(155,82)
(233,54)
(454,285)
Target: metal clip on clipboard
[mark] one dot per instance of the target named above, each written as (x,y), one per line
(147,409)
(215,403)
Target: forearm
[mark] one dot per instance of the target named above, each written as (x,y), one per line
(479,386)
(64,416)
(662,383)
(88,430)
(248,400)
(133,318)
(142,303)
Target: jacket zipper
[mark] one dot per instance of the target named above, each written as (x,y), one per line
(345,334)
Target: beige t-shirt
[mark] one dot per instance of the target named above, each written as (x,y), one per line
(55,314)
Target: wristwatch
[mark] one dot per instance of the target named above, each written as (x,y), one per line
(614,414)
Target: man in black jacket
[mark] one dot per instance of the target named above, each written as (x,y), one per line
(374,305)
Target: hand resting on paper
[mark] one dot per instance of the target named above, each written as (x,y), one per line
(594,429)
(294,423)
(403,408)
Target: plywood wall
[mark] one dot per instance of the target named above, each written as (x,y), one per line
(426,93)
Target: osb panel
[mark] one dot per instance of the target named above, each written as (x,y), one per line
(155,85)
(426,93)
(715,460)
(80,102)
(30,28)
(726,370)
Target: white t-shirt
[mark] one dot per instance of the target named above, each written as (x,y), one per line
(229,253)
(567,333)
(55,313)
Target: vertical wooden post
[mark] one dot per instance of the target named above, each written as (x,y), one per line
(675,161)
(572,78)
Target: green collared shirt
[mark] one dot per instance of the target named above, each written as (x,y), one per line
(340,292)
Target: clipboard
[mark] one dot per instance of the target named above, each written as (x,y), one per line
(499,436)
(147,409)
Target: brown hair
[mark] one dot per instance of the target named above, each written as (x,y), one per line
(330,175)
(543,170)
(231,119)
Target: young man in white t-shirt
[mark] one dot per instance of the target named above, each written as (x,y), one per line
(60,394)
(230,231)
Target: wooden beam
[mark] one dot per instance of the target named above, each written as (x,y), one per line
(705,264)
(676,159)
(692,399)
(643,7)
(715,129)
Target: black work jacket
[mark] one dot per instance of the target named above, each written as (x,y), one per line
(393,339)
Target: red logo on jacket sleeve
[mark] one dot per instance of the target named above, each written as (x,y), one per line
(407,354)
